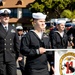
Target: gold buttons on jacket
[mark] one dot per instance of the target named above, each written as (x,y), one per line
(10,48)
(10,43)
(10,39)
(4,48)
(5,44)
(5,39)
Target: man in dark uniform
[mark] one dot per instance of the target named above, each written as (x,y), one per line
(34,45)
(21,57)
(59,39)
(9,44)
(51,61)
(71,36)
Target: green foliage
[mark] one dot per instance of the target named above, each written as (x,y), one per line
(47,3)
(61,6)
(73,12)
(58,6)
(73,15)
(47,31)
(66,14)
(37,7)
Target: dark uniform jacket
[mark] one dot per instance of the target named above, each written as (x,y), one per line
(9,43)
(71,31)
(58,42)
(20,37)
(36,64)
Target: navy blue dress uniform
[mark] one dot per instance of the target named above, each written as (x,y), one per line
(58,41)
(21,62)
(70,32)
(9,47)
(36,63)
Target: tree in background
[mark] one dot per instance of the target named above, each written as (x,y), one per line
(66,13)
(60,8)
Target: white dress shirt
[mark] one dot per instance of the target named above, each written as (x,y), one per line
(5,27)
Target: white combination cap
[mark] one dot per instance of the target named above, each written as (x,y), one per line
(5,11)
(39,15)
(19,27)
(61,22)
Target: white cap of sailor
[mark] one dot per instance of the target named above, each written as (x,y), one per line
(5,12)
(61,22)
(38,15)
(19,28)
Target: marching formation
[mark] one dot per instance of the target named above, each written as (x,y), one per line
(15,44)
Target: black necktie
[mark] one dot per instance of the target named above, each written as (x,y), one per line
(6,28)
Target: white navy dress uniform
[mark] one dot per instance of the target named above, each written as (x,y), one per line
(9,46)
(36,63)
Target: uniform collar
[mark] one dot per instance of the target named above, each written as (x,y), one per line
(5,25)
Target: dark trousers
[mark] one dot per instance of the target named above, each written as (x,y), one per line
(8,68)
(21,64)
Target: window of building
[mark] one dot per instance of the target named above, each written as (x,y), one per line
(14,13)
(26,13)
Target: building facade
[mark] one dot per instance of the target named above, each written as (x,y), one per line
(20,15)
